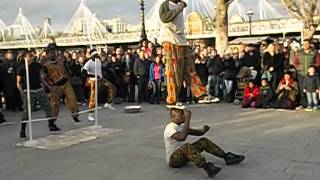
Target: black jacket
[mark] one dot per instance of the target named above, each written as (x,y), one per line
(215,65)
(230,70)
(276,61)
(311,83)
(252,60)
(141,68)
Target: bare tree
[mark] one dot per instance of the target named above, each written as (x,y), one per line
(308,11)
(221,24)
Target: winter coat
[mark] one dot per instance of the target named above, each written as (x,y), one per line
(248,91)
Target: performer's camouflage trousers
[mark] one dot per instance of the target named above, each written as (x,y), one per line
(40,96)
(180,66)
(71,100)
(111,90)
(192,152)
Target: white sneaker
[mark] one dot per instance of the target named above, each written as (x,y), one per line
(91,117)
(215,100)
(107,105)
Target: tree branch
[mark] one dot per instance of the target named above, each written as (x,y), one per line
(293,8)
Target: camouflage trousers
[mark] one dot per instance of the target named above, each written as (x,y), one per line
(180,66)
(43,99)
(65,90)
(102,82)
(192,152)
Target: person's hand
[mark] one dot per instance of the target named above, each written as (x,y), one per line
(183,3)
(271,69)
(251,68)
(317,91)
(304,90)
(205,129)
(251,95)
(187,115)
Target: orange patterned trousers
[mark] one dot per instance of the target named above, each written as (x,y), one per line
(180,66)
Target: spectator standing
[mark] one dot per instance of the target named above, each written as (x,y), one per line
(311,88)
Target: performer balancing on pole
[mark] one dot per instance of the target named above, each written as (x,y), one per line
(179,153)
(89,70)
(178,58)
(37,92)
(60,85)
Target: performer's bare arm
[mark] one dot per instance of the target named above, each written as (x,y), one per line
(198,132)
(167,14)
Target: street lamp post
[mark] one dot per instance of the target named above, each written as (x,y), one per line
(250,13)
(143,35)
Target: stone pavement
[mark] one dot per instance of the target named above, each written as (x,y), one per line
(279,145)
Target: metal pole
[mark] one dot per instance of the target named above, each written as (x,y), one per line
(28,89)
(96,94)
(250,33)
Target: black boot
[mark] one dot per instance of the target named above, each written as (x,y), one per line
(76,119)
(23,131)
(211,169)
(232,159)
(2,120)
(53,127)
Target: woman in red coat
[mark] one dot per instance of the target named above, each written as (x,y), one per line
(250,95)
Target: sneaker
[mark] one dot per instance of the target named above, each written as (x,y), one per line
(211,169)
(91,117)
(299,108)
(308,109)
(315,108)
(107,105)
(232,158)
(76,119)
(215,100)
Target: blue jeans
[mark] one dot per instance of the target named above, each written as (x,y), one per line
(312,98)
(214,84)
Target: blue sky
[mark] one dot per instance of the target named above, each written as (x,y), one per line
(61,11)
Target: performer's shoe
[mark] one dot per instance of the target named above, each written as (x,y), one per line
(211,169)
(54,128)
(107,105)
(2,120)
(91,117)
(232,159)
(76,119)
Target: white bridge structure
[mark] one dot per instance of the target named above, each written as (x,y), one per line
(85,28)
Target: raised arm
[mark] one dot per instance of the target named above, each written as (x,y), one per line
(167,14)
(182,135)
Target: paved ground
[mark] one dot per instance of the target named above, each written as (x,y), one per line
(279,145)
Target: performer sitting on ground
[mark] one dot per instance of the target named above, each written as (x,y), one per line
(60,86)
(179,153)
(37,92)
(89,70)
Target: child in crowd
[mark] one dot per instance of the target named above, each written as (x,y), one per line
(265,95)
(311,87)
(179,153)
(250,95)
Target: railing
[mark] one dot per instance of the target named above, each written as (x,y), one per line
(265,27)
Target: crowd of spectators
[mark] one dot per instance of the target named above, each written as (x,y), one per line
(276,74)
